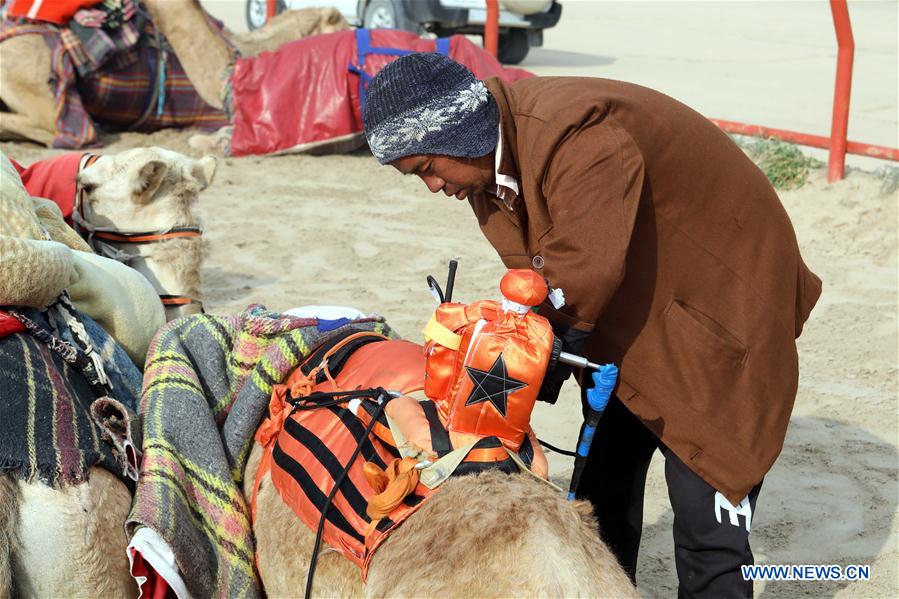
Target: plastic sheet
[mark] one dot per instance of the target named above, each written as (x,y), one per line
(304,96)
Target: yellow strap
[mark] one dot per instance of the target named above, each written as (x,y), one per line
(436,331)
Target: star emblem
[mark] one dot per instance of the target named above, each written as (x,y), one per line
(492,385)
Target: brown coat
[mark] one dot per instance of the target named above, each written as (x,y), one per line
(672,246)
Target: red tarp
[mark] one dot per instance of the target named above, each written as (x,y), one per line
(303,94)
(57,12)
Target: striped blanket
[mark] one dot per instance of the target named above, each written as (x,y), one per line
(122,93)
(47,430)
(207,384)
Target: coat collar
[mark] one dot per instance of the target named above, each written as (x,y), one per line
(509,157)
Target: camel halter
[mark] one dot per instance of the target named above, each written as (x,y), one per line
(100,239)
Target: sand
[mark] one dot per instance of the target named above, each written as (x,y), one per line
(296,230)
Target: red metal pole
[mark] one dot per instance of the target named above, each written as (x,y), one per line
(491,28)
(842,90)
(270,9)
(807,139)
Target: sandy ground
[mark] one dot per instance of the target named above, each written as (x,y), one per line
(294,230)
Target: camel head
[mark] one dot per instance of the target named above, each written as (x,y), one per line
(153,192)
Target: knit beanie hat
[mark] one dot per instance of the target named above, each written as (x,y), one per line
(427,103)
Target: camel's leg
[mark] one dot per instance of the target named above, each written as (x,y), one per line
(288,26)
(284,547)
(204,55)
(18,127)
(24,88)
(73,539)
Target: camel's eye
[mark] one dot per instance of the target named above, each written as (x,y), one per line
(89,188)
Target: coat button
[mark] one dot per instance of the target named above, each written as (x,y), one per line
(537,262)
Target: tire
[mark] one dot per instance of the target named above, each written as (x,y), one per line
(255,12)
(513,46)
(388,14)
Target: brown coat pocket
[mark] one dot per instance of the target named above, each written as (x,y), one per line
(704,359)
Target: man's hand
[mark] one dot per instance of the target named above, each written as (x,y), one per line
(572,341)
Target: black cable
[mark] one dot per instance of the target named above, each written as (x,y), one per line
(571,454)
(434,286)
(324,399)
(383,398)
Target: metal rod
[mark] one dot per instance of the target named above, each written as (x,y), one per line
(491,28)
(807,139)
(577,361)
(842,90)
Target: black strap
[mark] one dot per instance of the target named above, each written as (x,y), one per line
(506,465)
(382,398)
(440,441)
(526,451)
(550,447)
(339,358)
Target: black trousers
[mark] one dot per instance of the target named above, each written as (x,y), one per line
(711,537)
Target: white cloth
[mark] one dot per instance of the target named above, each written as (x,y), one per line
(506,187)
(326,312)
(159,556)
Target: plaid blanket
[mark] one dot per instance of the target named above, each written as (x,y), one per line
(97,35)
(207,384)
(47,430)
(113,78)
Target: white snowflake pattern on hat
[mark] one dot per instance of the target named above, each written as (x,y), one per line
(413,126)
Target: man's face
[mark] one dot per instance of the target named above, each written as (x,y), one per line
(460,177)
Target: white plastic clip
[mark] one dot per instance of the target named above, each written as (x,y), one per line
(557,298)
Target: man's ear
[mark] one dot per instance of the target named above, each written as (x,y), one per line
(204,170)
(149,178)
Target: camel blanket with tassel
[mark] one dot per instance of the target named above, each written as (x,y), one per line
(207,384)
(48,430)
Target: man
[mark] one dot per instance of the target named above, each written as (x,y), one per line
(676,261)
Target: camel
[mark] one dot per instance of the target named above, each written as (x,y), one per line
(80,551)
(526,541)
(26,65)
(150,190)
(144,189)
(479,535)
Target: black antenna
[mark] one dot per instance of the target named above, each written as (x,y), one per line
(451,279)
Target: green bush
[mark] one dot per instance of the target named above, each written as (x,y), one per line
(784,164)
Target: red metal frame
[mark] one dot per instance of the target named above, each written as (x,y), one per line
(842,90)
(271,6)
(491,28)
(837,142)
(807,139)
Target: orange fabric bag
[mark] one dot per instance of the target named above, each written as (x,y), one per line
(485,362)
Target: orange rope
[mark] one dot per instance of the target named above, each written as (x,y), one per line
(391,486)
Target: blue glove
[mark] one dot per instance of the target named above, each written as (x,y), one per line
(604,381)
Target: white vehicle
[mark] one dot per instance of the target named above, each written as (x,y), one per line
(521,22)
